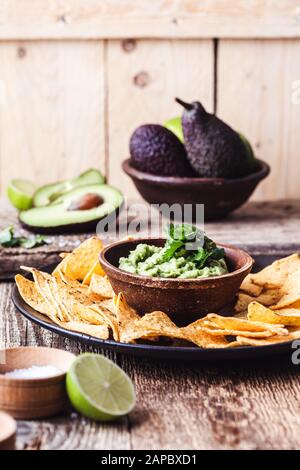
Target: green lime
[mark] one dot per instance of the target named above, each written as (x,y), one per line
(174,125)
(98,388)
(20,193)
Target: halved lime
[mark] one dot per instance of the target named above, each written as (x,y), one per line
(98,388)
(20,193)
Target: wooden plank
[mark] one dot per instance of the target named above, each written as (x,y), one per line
(258,227)
(12,258)
(36,19)
(143,79)
(255,96)
(233,403)
(52,122)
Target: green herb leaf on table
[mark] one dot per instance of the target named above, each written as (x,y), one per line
(9,240)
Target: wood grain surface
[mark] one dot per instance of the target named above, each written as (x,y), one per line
(260,227)
(143,91)
(70,104)
(237,405)
(35,19)
(258,77)
(52,121)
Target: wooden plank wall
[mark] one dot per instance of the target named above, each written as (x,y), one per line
(80,75)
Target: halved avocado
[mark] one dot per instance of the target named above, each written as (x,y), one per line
(76,211)
(47,194)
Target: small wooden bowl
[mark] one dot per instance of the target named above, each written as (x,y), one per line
(8,429)
(184,300)
(33,398)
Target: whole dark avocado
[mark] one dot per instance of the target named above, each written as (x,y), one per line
(213,148)
(156,150)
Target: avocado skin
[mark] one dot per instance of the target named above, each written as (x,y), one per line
(156,150)
(85,227)
(213,148)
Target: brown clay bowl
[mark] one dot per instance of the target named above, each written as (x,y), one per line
(33,398)
(184,300)
(219,196)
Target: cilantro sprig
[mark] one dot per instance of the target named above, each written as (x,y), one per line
(8,239)
(200,249)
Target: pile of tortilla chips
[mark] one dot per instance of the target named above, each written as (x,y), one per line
(79,297)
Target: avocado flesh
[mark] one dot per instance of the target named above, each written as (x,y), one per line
(46,194)
(213,148)
(58,214)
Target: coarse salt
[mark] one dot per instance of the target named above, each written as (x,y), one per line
(34,372)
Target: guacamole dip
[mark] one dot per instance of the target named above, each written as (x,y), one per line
(187,254)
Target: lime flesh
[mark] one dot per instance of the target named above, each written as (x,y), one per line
(20,193)
(99,389)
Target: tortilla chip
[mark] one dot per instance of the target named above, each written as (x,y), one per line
(124,312)
(32,297)
(67,300)
(243,300)
(101,286)
(291,291)
(82,260)
(63,255)
(213,330)
(276,274)
(133,327)
(269,296)
(195,334)
(30,294)
(257,312)
(264,342)
(109,318)
(59,274)
(233,323)
(98,331)
(151,324)
(109,303)
(96,269)
(248,285)
(266,297)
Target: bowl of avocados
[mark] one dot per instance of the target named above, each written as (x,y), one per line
(204,279)
(194,159)
(70,206)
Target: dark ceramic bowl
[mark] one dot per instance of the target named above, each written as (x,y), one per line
(183,299)
(219,196)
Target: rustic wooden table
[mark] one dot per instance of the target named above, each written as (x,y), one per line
(237,405)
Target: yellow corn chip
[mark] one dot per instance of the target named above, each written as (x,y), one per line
(248,285)
(32,297)
(233,323)
(101,286)
(82,260)
(151,324)
(68,300)
(264,342)
(288,317)
(243,300)
(213,330)
(96,269)
(195,334)
(275,274)
(291,291)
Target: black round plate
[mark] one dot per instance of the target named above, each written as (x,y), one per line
(149,350)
